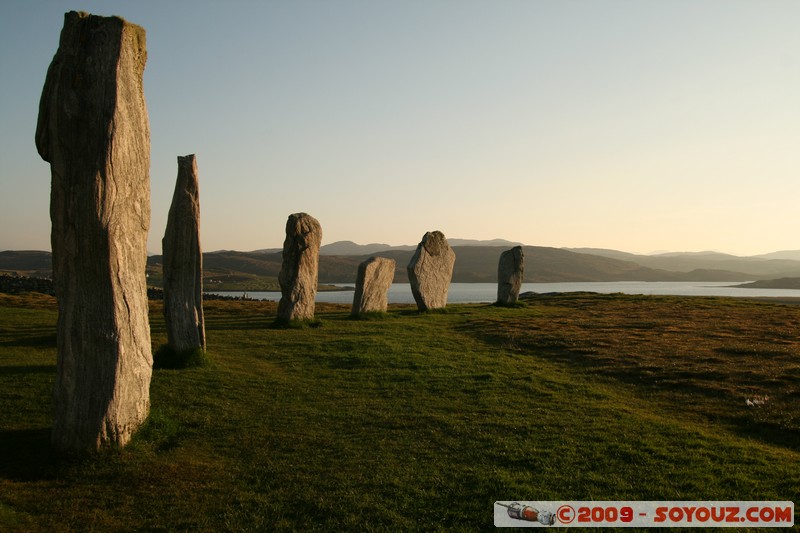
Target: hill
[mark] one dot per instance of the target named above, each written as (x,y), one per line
(474,264)
(26,262)
(476,261)
(478,264)
(232,270)
(756,267)
(351,248)
(781,283)
(783,254)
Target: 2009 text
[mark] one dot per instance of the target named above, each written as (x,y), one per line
(646,514)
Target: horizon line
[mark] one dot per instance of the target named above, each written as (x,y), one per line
(478,242)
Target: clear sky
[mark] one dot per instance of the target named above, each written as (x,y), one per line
(626,124)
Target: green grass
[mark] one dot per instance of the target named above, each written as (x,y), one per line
(418,421)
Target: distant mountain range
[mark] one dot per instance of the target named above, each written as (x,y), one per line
(351,248)
(476,261)
(775,265)
(783,254)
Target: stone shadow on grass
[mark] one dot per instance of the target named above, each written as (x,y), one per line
(27,369)
(47,340)
(26,455)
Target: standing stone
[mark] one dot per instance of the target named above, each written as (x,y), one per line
(94,131)
(299,269)
(430,271)
(374,278)
(509,275)
(183,263)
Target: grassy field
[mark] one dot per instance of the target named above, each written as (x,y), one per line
(419,421)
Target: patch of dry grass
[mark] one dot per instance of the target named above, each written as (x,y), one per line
(704,357)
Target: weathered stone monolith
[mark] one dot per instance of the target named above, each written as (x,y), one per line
(94,131)
(299,269)
(374,278)
(183,263)
(509,275)
(430,271)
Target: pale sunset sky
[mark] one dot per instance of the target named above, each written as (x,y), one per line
(626,124)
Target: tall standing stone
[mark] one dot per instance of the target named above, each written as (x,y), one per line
(374,278)
(183,263)
(430,271)
(509,275)
(94,131)
(300,268)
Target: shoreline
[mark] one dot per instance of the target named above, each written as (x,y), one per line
(470,292)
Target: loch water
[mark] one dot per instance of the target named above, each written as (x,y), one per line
(487,292)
